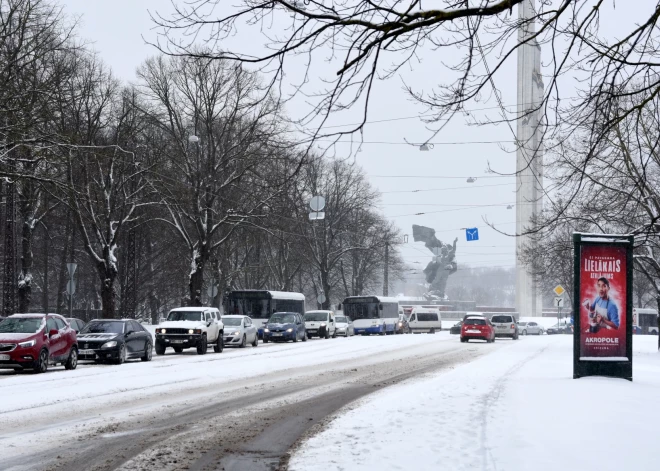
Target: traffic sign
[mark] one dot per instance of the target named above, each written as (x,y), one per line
(472,234)
(71,268)
(559,290)
(316,216)
(71,287)
(559,302)
(212,291)
(321,298)
(317,203)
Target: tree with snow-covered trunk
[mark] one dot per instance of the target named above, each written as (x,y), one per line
(218,135)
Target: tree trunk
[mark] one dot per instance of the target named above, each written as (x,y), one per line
(325,305)
(61,283)
(25,277)
(199,259)
(108,275)
(44,291)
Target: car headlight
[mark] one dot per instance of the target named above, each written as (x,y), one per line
(266,330)
(238,332)
(191,331)
(112,343)
(323,324)
(162,331)
(29,343)
(289,330)
(400,324)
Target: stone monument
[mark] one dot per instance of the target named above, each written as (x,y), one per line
(443,264)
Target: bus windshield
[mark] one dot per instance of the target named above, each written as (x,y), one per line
(361,310)
(252,306)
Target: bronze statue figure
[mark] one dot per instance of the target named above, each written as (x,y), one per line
(443,264)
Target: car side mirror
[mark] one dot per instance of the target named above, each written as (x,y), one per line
(129,333)
(53,332)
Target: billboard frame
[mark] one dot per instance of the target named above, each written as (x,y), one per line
(616,369)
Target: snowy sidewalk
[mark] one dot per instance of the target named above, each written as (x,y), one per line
(515,409)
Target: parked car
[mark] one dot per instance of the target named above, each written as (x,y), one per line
(320,324)
(425,320)
(239,331)
(477,328)
(505,326)
(115,340)
(37,341)
(531,328)
(456,328)
(285,326)
(402,326)
(560,329)
(76,324)
(344,326)
(191,327)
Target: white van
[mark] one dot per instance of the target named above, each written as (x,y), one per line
(320,324)
(424,319)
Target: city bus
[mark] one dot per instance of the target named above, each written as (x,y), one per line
(645,321)
(260,305)
(372,314)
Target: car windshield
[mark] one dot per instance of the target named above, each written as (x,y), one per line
(501,319)
(316,316)
(21,325)
(522,323)
(103,327)
(475,322)
(341,319)
(282,319)
(185,316)
(232,321)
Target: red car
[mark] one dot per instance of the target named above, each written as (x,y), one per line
(35,341)
(477,327)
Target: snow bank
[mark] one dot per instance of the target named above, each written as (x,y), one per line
(515,409)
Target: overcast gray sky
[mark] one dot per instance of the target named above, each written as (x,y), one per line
(412,182)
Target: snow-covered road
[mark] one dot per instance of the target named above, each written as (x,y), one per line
(515,409)
(104,410)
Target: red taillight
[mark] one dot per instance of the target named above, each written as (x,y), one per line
(513,326)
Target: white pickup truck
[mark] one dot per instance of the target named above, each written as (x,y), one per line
(191,327)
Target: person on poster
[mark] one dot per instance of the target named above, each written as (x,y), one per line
(603,312)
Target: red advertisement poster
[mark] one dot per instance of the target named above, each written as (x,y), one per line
(603,302)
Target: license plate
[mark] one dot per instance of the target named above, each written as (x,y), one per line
(177,341)
(473,331)
(86,352)
(4,357)
(311,331)
(277,335)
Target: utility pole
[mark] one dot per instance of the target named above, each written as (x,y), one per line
(386,277)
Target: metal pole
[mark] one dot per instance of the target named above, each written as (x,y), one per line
(387,267)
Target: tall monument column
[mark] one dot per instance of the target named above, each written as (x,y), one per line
(529,157)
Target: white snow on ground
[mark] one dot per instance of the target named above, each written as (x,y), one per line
(94,392)
(515,409)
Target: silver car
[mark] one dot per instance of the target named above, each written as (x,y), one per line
(531,328)
(505,326)
(344,326)
(239,331)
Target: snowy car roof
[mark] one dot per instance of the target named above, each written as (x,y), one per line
(193,308)
(285,295)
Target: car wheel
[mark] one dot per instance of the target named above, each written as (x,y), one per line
(160,349)
(256,341)
(72,361)
(463,340)
(202,346)
(327,334)
(177,349)
(41,364)
(243,342)
(219,344)
(524,332)
(515,336)
(148,352)
(493,339)
(334,336)
(304,336)
(540,331)
(265,340)
(122,355)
